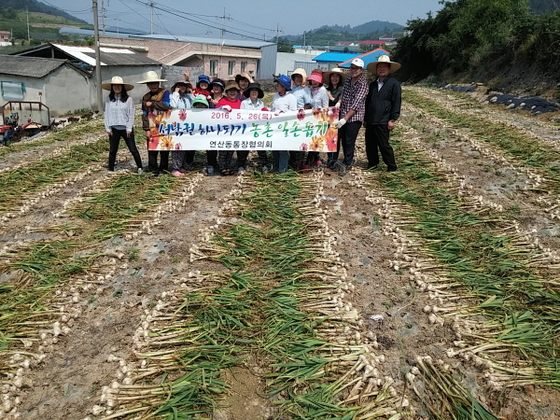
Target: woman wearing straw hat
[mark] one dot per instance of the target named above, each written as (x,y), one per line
(383,108)
(335,79)
(243,80)
(157,100)
(181,98)
(119,120)
(319,99)
(254,95)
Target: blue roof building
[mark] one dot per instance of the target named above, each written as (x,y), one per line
(331,59)
(368,57)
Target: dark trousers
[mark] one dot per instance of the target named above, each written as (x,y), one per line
(163,162)
(224,159)
(377,139)
(114,141)
(242,156)
(296,159)
(312,157)
(263,157)
(181,159)
(347,135)
(212,158)
(281,158)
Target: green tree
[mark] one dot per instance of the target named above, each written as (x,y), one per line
(463,34)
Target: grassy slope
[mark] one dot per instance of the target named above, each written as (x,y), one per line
(39,23)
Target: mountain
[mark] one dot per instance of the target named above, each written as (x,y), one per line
(376,26)
(328,34)
(36,6)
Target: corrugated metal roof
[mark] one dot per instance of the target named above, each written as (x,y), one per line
(335,57)
(86,55)
(29,66)
(109,56)
(367,57)
(215,41)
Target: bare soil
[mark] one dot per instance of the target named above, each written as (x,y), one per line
(109,305)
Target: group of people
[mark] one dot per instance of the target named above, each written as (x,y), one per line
(377,107)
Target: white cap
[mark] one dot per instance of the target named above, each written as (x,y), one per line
(358,62)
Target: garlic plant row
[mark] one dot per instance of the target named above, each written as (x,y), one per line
(452,305)
(534,181)
(41,338)
(57,152)
(66,304)
(511,119)
(350,348)
(160,328)
(456,182)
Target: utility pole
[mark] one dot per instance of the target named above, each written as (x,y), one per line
(224,26)
(97,57)
(103,16)
(151,17)
(28,36)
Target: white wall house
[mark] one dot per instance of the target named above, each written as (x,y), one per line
(60,85)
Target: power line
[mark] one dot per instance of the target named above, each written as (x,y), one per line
(139,14)
(184,16)
(253,26)
(88,10)
(166,30)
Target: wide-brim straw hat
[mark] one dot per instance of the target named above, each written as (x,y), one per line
(243,75)
(232,85)
(152,76)
(302,73)
(336,70)
(117,80)
(256,86)
(372,67)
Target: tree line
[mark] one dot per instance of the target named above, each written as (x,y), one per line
(472,36)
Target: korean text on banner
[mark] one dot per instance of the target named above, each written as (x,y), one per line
(216,129)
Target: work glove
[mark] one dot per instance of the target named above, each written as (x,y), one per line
(340,123)
(226,108)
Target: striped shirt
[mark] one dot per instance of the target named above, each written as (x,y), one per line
(119,114)
(354,97)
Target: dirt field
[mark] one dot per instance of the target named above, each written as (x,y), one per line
(427,293)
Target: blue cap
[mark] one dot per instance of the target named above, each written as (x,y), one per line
(203,78)
(284,81)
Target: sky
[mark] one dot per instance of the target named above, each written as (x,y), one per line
(257,18)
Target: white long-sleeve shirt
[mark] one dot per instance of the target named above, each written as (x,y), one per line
(178,102)
(253,106)
(119,114)
(319,97)
(288,102)
(302,95)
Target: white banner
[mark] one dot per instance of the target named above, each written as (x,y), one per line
(215,129)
